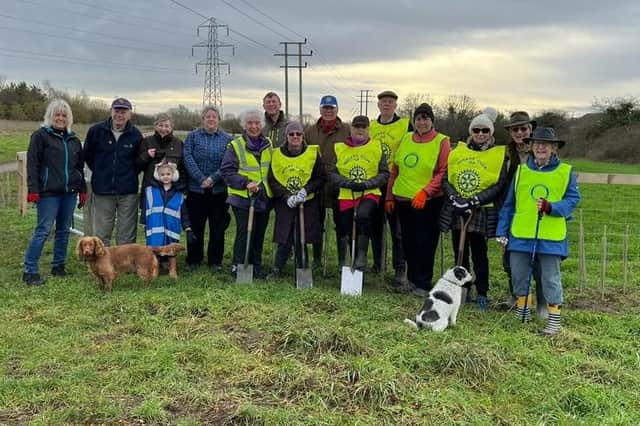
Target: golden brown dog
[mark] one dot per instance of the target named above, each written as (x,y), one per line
(106,263)
(170,251)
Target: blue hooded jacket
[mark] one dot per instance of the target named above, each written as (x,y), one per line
(563,208)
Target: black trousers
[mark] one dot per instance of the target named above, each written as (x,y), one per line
(365,214)
(284,250)
(420,236)
(260,222)
(397,252)
(477,244)
(202,208)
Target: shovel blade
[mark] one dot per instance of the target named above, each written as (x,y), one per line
(244,274)
(304,278)
(351,281)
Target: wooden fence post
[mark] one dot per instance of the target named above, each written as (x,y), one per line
(582,268)
(22,182)
(625,255)
(603,263)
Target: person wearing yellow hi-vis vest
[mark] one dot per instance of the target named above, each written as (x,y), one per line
(476,176)
(296,177)
(359,171)
(388,128)
(533,223)
(415,190)
(245,168)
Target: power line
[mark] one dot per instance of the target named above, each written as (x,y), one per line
(231,30)
(144,19)
(82,61)
(120,20)
(273,19)
(119,46)
(34,21)
(255,20)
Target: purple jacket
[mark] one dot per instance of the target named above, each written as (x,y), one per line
(229,171)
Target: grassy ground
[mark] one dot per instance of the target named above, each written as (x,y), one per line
(205,351)
(589,166)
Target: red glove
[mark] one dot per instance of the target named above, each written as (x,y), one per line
(389,205)
(419,200)
(82,199)
(33,197)
(543,206)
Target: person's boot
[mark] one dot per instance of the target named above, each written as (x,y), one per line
(521,311)
(541,308)
(342,244)
(32,279)
(317,255)
(400,276)
(553,322)
(58,271)
(362,248)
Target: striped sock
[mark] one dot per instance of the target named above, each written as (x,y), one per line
(553,322)
(521,310)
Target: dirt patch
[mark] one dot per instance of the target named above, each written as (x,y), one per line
(613,301)
(248,339)
(219,413)
(16,417)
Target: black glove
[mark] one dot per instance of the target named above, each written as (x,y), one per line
(191,237)
(473,202)
(358,186)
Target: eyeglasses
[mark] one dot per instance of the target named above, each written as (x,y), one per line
(295,134)
(519,129)
(481,130)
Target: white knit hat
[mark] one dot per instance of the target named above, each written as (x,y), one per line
(491,112)
(480,121)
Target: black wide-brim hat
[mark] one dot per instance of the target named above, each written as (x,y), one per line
(545,134)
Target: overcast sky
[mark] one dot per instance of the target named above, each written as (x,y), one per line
(533,55)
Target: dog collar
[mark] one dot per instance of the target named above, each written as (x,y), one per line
(452,282)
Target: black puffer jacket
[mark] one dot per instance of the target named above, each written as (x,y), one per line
(485,218)
(55,162)
(169,148)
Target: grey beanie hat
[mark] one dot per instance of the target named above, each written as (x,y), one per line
(479,121)
(294,126)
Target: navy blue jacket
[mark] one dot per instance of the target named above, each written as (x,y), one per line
(54,163)
(112,163)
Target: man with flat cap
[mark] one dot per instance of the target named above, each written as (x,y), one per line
(388,129)
(110,151)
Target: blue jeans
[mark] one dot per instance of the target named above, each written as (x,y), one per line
(549,273)
(58,209)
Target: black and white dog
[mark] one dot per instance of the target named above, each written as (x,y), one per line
(440,308)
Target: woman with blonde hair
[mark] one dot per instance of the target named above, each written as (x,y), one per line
(55,180)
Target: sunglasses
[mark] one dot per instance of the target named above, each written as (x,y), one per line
(481,130)
(295,134)
(519,129)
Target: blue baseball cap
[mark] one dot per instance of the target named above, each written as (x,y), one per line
(329,101)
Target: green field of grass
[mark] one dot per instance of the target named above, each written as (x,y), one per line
(203,350)
(589,166)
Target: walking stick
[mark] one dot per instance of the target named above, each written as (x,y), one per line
(531,266)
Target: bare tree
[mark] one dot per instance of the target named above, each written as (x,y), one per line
(411,101)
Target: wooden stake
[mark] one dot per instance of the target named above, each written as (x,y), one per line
(582,268)
(603,264)
(625,255)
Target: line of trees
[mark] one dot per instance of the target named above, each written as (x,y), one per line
(610,134)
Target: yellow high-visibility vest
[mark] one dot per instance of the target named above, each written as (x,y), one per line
(531,185)
(294,172)
(416,163)
(389,136)
(471,172)
(248,166)
(358,163)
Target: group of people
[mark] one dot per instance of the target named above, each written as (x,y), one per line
(395,170)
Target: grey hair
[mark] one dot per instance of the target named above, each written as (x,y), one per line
(252,113)
(55,106)
(208,108)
